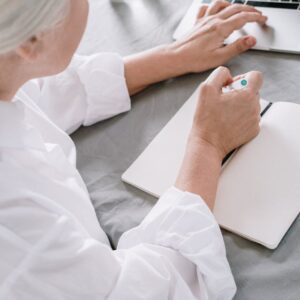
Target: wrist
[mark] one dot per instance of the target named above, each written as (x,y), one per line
(204,146)
(200,170)
(177,59)
(151,66)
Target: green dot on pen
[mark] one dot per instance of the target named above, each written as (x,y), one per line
(244,82)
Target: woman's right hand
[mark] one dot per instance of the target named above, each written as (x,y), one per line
(227,120)
(222,122)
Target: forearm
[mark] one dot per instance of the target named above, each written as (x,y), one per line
(200,171)
(151,66)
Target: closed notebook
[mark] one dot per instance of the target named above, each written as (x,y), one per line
(258,194)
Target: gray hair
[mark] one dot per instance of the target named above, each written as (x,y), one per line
(22,19)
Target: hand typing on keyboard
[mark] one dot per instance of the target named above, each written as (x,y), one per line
(203,48)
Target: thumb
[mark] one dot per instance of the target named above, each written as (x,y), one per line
(219,78)
(239,46)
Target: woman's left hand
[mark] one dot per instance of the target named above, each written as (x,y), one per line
(203,48)
(200,50)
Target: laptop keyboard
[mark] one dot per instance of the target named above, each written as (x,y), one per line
(288,4)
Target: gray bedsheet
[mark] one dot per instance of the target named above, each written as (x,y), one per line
(106,150)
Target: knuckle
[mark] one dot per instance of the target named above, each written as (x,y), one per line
(244,15)
(257,78)
(237,7)
(223,69)
(216,26)
(203,88)
(206,88)
(258,75)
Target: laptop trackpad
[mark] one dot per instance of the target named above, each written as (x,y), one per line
(280,33)
(265,35)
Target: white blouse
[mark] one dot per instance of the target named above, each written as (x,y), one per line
(51,244)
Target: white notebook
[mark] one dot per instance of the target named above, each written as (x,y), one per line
(258,194)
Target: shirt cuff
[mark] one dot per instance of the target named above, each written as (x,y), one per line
(103,78)
(183,222)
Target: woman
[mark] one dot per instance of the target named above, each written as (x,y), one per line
(52,246)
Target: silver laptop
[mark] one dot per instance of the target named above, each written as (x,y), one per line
(282,33)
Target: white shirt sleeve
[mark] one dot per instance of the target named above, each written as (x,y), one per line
(91,89)
(176,253)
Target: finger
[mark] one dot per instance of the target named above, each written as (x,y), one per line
(238,21)
(255,80)
(219,78)
(202,11)
(239,77)
(239,46)
(235,9)
(217,6)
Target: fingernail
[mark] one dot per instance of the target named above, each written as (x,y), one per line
(250,41)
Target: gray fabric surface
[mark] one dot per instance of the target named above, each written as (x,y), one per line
(105,150)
